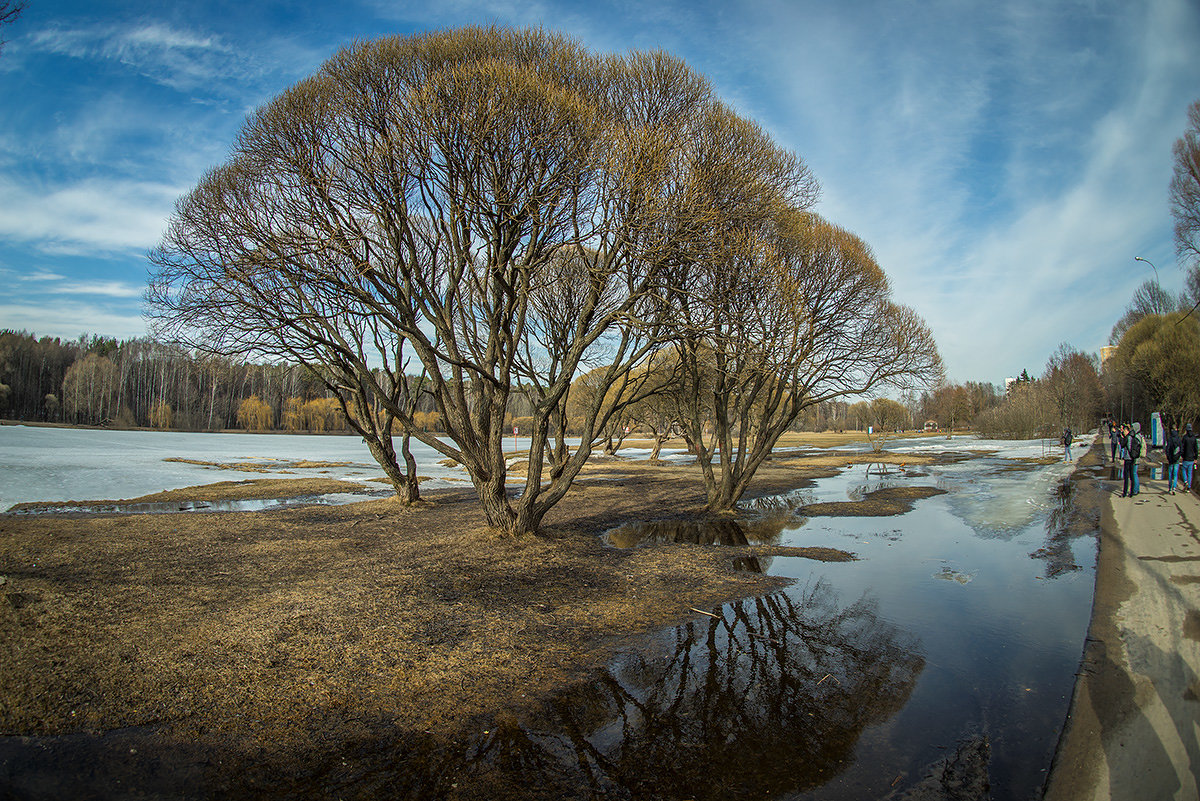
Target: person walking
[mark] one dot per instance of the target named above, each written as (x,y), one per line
(1187,458)
(1172,447)
(1066,441)
(1126,462)
(1114,433)
(1134,449)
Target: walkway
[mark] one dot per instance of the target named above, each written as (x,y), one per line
(1134,728)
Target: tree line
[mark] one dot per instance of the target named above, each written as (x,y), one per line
(143,382)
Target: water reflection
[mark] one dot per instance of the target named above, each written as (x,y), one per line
(761,529)
(768,697)
(1116,471)
(713,531)
(1070,518)
(709,531)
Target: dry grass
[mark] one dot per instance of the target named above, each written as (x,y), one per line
(266,630)
(261,639)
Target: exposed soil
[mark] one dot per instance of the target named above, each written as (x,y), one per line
(275,643)
(884,502)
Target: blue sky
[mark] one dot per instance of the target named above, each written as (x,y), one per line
(1006,161)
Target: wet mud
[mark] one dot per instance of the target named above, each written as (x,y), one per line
(884,502)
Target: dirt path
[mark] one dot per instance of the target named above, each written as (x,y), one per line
(1134,728)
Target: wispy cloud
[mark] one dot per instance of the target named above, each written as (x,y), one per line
(86,217)
(69,320)
(177,58)
(1003,160)
(109,289)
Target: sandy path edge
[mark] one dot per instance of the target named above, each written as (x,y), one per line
(1133,730)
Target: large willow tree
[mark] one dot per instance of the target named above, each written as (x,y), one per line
(493,201)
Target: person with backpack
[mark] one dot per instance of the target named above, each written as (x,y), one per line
(1131,452)
(1066,439)
(1187,458)
(1172,447)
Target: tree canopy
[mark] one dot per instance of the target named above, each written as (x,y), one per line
(508,211)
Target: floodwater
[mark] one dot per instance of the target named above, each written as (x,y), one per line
(938,665)
(160,507)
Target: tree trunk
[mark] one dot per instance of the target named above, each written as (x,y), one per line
(404,483)
(503,517)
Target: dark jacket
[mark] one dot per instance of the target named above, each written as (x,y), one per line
(1173,445)
(1134,436)
(1188,451)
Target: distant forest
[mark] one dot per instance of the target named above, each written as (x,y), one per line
(97,380)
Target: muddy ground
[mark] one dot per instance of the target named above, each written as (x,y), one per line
(230,654)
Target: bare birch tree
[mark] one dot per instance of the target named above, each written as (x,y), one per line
(1185,189)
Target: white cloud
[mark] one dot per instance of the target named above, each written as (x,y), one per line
(69,320)
(86,217)
(111,289)
(1005,162)
(181,59)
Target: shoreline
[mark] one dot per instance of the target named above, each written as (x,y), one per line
(1132,727)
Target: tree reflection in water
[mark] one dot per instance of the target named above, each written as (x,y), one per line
(764,528)
(1067,521)
(768,697)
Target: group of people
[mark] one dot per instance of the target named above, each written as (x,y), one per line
(1181,451)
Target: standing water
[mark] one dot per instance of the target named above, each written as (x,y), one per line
(939,665)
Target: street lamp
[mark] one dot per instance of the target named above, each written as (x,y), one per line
(1152,267)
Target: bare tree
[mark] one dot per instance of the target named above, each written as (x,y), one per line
(495,199)
(792,314)
(1185,189)
(1072,383)
(9,12)
(1150,298)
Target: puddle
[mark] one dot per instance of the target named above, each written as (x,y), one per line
(252,505)
(766,699)
(1152,471)
(720,531)
(964,579)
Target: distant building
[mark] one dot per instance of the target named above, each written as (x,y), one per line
(1106,352)
(1008,384)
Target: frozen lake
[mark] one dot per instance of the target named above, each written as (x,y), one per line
(65,464)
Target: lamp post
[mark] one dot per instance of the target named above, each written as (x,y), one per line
(1152,267)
